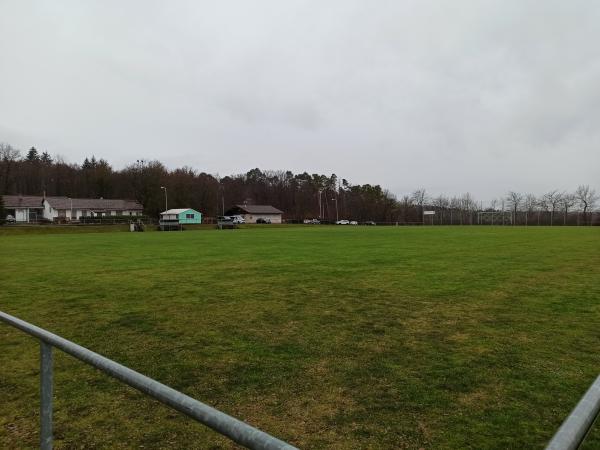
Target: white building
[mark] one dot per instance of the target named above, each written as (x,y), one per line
(31,209)
(23,208)
(57,208)
(252,213)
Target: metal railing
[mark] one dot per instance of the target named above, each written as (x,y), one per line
(575,428)
(234,429)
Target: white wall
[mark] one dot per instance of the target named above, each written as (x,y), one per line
(49,212)
(81,213)
(251,218)
(21,215)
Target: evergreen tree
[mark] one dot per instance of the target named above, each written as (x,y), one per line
(32,155)
(46,158)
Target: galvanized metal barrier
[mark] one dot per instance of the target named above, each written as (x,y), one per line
(234,429)
(575,428)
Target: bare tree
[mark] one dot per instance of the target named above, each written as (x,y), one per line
(8,158)
(454,206)
(493,207)
(530,203)
(552,200)
(468,205)
(542,205)
(514,200)
(9,153)
(567,201)
(587,199)
(406,205)
(502,208)
(441,203)
(419,197)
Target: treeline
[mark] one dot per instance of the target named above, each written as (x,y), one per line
(552,208)
(300,196)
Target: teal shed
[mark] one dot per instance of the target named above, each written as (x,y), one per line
(178,217)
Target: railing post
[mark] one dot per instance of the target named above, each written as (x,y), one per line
(45,396)
(574,429)
(234,429)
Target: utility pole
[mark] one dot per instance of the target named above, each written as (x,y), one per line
(337,217)
(166,203)
(320,205)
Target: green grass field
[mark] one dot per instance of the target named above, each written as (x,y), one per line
(328,337)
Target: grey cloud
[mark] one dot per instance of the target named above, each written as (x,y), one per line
(472,95)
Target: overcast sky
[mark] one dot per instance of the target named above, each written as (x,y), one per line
(454,96)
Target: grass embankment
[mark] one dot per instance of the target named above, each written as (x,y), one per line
(21,230)
(329,337)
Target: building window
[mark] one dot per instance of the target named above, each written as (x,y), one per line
(189,216)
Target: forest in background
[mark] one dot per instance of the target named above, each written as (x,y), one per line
(300,196)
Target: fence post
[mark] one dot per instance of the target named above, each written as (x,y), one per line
(574,429)
(234,429)
(45,396)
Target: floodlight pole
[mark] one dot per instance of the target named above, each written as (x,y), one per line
(337,217)
(166,204)
(320,205)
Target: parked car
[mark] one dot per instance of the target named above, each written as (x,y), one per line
(353,222)
(261,220)
(225,222)
(10,219)
(370,222)
(343,222)
(238,219)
